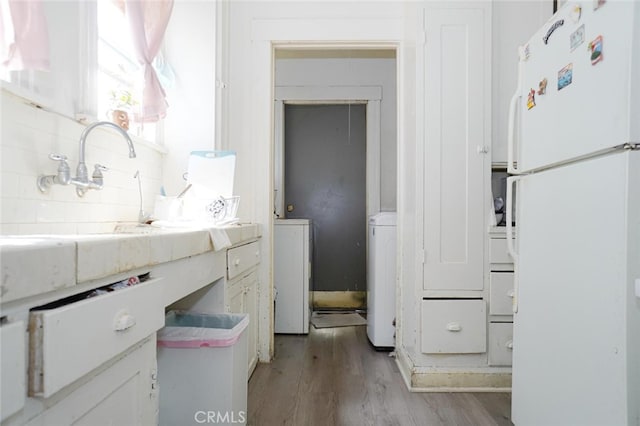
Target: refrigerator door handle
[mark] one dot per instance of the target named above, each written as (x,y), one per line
(511,181)
(513,109)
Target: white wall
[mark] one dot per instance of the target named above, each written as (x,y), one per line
(29,135)
(355,72)
(189,44)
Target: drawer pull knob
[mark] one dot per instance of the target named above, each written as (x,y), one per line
(236,262)
(257,253)
(509,345)
(454,326)
(511,293)
(123,321)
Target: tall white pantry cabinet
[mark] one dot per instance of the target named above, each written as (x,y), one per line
(454,125)
(460,341)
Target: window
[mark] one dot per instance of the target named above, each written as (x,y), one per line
(118,70)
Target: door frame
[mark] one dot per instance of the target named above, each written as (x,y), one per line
(330,95)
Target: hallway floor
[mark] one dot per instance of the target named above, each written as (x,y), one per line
(333,376)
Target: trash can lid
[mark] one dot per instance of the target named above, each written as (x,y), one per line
(198,330)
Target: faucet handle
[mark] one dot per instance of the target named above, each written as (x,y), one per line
(64,172)
(97,175)
(58,157)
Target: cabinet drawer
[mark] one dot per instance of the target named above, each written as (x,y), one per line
(501,293)
(498,252)
(69,341)
(12,368)
(500,343)
(241,258)
(454,326)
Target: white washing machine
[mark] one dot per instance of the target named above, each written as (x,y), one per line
(292,246)
(381,279)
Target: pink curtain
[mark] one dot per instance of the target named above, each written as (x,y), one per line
(24,40)
(148,21)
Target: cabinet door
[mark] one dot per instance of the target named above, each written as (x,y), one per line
(125,393)
(243,299)
(456,111)
(236,297)
(12,368)
(251,308)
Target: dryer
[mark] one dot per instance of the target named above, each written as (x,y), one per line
(381,279)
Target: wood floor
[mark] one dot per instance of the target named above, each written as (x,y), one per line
(334,377)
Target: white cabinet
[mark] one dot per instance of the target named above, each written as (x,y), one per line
(501,296)
(242,298)
(453,174)
(242,292)
(501,293)
(499,256)
(454,326)
(455,159)
(12,368)
(513,24)
(242,258)
(292,275)
(500,343)
(122,392)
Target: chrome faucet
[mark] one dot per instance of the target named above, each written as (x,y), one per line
(82,181)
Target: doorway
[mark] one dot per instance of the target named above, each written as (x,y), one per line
(318,80)
(325,181)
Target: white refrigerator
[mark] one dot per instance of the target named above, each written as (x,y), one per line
(574,130)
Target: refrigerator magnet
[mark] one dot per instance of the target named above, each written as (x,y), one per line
(577,37)
(542,87)
(525,52)
(555,26)
(576,13)
(596,50)
(531,99)
(597,4)
(565,76)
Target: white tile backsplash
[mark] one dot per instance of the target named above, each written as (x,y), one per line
(28,135)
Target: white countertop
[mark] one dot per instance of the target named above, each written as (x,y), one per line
(35,264)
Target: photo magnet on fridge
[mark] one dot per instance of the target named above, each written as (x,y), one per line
(565,76)
(596,50)
(597,4)
(531,99)
(577,37)
(576,13)
(542,87)
(525,52)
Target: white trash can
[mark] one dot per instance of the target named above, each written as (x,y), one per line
(202,369)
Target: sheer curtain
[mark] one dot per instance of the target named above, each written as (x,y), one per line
(24,39)
(148,21)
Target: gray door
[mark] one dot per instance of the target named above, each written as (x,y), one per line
(325,181)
